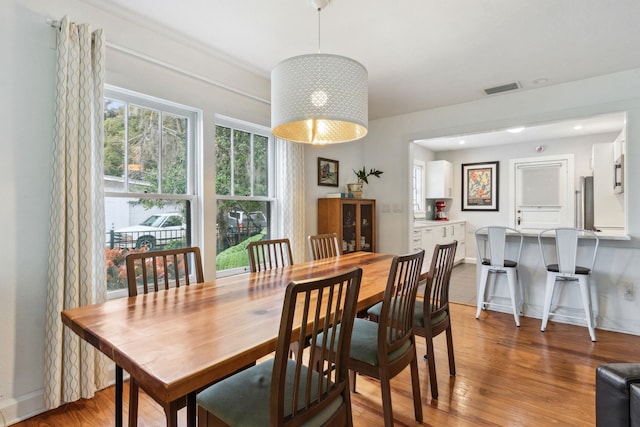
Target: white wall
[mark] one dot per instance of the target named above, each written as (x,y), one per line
(580,147)
(27,90)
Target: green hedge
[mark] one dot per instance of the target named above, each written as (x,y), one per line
(236,256)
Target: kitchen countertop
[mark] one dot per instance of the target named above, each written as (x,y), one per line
(425,223)
(602,235)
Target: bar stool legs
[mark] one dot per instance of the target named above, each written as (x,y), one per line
(513,283)
(585,292)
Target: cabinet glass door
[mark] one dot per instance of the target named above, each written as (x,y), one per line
(349,232)
(366,227)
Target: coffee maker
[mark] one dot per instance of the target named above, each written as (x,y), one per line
(441,215)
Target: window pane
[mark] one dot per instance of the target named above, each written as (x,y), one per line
(241,163)
(144,140)
(223,160)
(114,143)
(135,225)
(260,166)
(174,154)
(238,223)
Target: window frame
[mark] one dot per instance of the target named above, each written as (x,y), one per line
(193,161)
(421,211)
(271,197)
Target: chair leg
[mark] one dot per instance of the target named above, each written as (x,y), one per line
(548,295)
(586,302)
(511,279)
(417,398)
(133,403)
(387,409)
(520,293)
(452,360)
(431,360)
(482,286)
(352,380)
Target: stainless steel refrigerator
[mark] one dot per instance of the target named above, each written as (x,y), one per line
(584,204)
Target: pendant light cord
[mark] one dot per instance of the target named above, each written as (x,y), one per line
(319,10)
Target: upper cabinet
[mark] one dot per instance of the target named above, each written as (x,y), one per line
(608,200)
(439,180)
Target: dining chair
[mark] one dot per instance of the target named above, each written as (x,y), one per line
(432,315)
(154,271)
(323,246)
(287,392)
(384,348)
(433,305)
(268,254)
(561,262)
(499,250)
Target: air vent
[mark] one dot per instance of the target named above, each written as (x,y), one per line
(503,88)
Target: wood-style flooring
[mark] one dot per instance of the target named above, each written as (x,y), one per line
(506,376)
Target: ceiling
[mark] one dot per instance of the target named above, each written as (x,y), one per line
(419,54)
(545,133)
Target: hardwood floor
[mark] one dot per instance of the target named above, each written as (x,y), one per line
(506,376)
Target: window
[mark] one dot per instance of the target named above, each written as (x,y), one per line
(149,178)
(418,188)
(244,191)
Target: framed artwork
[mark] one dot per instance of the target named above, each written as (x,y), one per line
(328,172)
(480,186)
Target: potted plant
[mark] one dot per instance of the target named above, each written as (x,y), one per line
(363,178)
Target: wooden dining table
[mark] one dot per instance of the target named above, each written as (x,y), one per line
(177,341)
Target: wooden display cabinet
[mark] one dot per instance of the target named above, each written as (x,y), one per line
(353,220)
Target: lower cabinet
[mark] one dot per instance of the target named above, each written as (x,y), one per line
(428,237)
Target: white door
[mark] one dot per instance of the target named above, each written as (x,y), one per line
(544,193)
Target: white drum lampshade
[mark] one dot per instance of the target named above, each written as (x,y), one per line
(319,99)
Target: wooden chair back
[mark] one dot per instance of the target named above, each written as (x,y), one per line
(436,291)
(157,270)
(326,306)
(323,246)
(269,254)
(398,304)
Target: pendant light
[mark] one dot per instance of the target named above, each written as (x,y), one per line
(319,98)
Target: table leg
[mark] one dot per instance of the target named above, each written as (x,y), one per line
(119,376)
(172,414)
(191,410)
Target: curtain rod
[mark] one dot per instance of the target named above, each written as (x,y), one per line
(56,24)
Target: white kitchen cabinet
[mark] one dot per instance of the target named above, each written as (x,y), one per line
(439,180)
(433,234)
(608,206)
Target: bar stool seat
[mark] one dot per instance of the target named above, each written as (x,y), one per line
(562,268)
(493,252)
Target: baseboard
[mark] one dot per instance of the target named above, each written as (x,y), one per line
(23,407)
(31,404)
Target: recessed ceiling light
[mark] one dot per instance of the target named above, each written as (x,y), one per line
(577,127)
(516,130)
(462,142)
(541,81)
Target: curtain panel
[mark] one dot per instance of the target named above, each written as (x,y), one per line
(77,266)
(290,188)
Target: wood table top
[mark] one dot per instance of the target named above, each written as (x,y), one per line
(176,341)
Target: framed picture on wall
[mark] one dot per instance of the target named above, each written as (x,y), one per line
(480,186)
(328,172)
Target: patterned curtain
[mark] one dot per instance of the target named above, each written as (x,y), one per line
(77,266)
(290,188)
